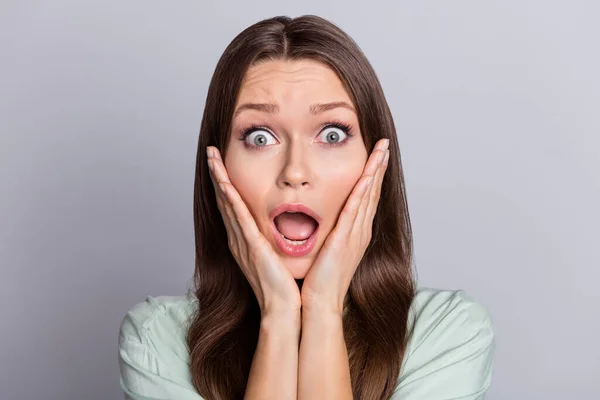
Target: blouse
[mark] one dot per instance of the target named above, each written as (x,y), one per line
(449,352)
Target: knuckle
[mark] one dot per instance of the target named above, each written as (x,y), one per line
(229,212)
(239,219)
(231,242)
(221,207)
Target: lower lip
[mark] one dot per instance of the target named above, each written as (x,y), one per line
(293,250)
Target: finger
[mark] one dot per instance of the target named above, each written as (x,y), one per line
(364,206)
(373,161)
(218,168)
(223,202)
(220,171)
(225,208)
(379,156)
(241,213)
(217,177)
(350,210)
(375,192)
(217,154)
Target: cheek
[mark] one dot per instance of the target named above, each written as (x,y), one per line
(250,182)
(339,181)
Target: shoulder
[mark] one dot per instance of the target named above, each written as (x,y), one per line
(147,320)
(158,321)
(441,319)
(153,352)
(437,311)
(450,345)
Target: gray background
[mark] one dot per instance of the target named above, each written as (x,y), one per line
(497,109)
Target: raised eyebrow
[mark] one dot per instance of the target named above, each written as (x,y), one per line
(314,109)
(319,108)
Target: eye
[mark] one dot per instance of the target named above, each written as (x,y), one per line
(335,133)
(257,136)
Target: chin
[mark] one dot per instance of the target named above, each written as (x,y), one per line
(299,275)
(298,267)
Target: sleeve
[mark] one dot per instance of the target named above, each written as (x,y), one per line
(140,370)
(451,351)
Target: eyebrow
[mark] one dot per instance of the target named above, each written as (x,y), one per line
(314,109)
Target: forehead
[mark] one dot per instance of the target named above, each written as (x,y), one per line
(287,81)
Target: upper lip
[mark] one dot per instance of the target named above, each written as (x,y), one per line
(298,207)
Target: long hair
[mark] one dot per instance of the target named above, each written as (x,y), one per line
(224,329)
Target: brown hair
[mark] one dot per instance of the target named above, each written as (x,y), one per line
(224,330)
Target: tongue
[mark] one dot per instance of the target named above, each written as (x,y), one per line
(295,226)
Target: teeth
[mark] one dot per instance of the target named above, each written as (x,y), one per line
(293,242)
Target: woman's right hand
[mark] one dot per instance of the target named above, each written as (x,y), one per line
(273,284)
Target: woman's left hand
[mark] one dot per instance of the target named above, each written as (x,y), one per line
(327,282)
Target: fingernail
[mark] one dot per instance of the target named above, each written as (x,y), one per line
(387,157)
(209,152)
(387,143)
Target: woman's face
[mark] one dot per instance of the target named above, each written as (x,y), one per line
(295,155)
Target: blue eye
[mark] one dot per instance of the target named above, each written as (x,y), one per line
(260,138)
(332,134)
(256,137)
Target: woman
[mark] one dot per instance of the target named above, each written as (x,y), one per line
(303,282)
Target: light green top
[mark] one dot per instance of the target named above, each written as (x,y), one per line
(449,354)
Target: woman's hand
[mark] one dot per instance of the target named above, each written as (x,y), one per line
(273,284)
(327,282)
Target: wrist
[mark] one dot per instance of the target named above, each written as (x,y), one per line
(322,307)
(282,323)
(322,313)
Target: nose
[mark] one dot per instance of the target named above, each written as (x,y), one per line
(296,172)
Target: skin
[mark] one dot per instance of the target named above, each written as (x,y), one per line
(297,164)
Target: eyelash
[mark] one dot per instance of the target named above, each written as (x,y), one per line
(336,124)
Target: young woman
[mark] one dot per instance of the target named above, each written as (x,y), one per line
(303,280)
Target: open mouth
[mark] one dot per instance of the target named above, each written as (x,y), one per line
(295,229)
